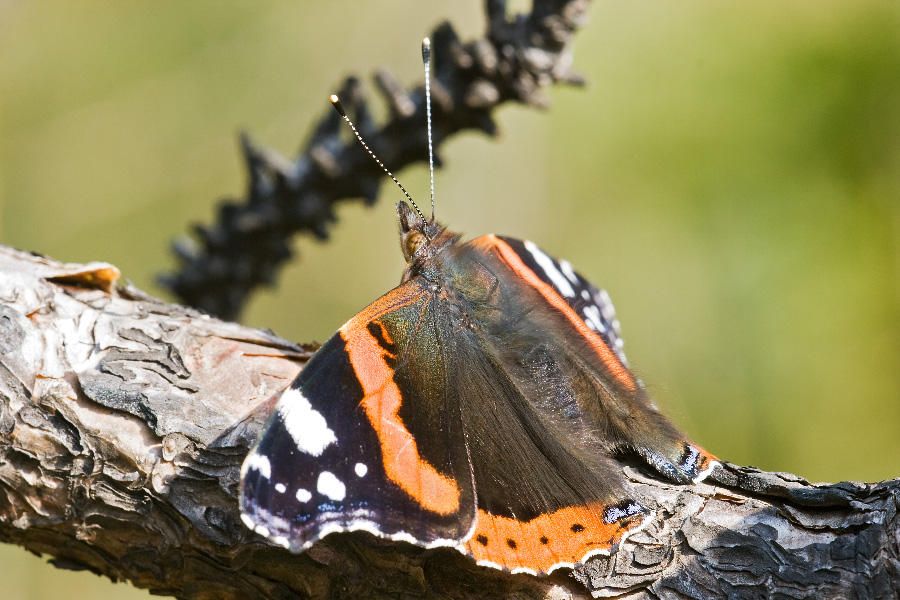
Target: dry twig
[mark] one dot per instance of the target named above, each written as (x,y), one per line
(250,241)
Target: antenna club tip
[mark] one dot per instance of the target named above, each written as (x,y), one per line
(336,102)
(426,49)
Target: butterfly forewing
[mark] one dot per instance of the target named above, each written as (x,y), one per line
(610,398)
(341,451)
(591,304)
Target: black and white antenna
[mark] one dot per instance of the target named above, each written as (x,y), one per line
(336,102)
(426,60)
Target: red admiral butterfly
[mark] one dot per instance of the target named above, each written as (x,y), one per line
(478,405)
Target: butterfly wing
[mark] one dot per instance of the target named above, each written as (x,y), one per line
(580,339)
(475,406)
(547,401)
(541,505)
(347,448)
(395,421)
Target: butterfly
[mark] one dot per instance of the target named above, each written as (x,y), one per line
(479,405)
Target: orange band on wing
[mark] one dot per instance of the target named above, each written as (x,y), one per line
(607,356)
(381,402)
(557,539)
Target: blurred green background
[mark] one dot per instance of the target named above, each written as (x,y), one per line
(731,175)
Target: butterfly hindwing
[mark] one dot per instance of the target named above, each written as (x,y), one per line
(541,505)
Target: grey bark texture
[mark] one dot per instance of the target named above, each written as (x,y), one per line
(124,421)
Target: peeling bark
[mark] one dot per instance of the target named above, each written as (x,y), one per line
(124,421)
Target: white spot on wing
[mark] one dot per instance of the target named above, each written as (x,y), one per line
(361,470)
(307,426)
(330,528)
(303,495)
(606,305)
(568,271)
(262,530)
(280,488)
(591,316)
(546,263)
(567,565)
(258,463)
(331,486)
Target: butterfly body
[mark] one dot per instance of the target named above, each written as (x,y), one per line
(481,405)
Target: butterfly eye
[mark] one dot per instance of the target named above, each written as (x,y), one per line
(413,243)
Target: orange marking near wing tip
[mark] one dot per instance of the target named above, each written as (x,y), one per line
(381,402)
(607,356)
(707,458)
(562,538)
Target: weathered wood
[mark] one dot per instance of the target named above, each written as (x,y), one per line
(124,421)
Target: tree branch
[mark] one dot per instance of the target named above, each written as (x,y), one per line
(250,241)
(124,421)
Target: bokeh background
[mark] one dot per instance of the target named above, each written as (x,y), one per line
(731,175)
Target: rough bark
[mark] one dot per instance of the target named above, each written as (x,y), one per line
(124,421)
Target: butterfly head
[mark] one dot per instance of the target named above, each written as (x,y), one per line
(420,239)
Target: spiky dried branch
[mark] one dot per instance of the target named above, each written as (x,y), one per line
(250,240)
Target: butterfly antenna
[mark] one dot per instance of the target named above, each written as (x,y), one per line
(426,60)
(335,101)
